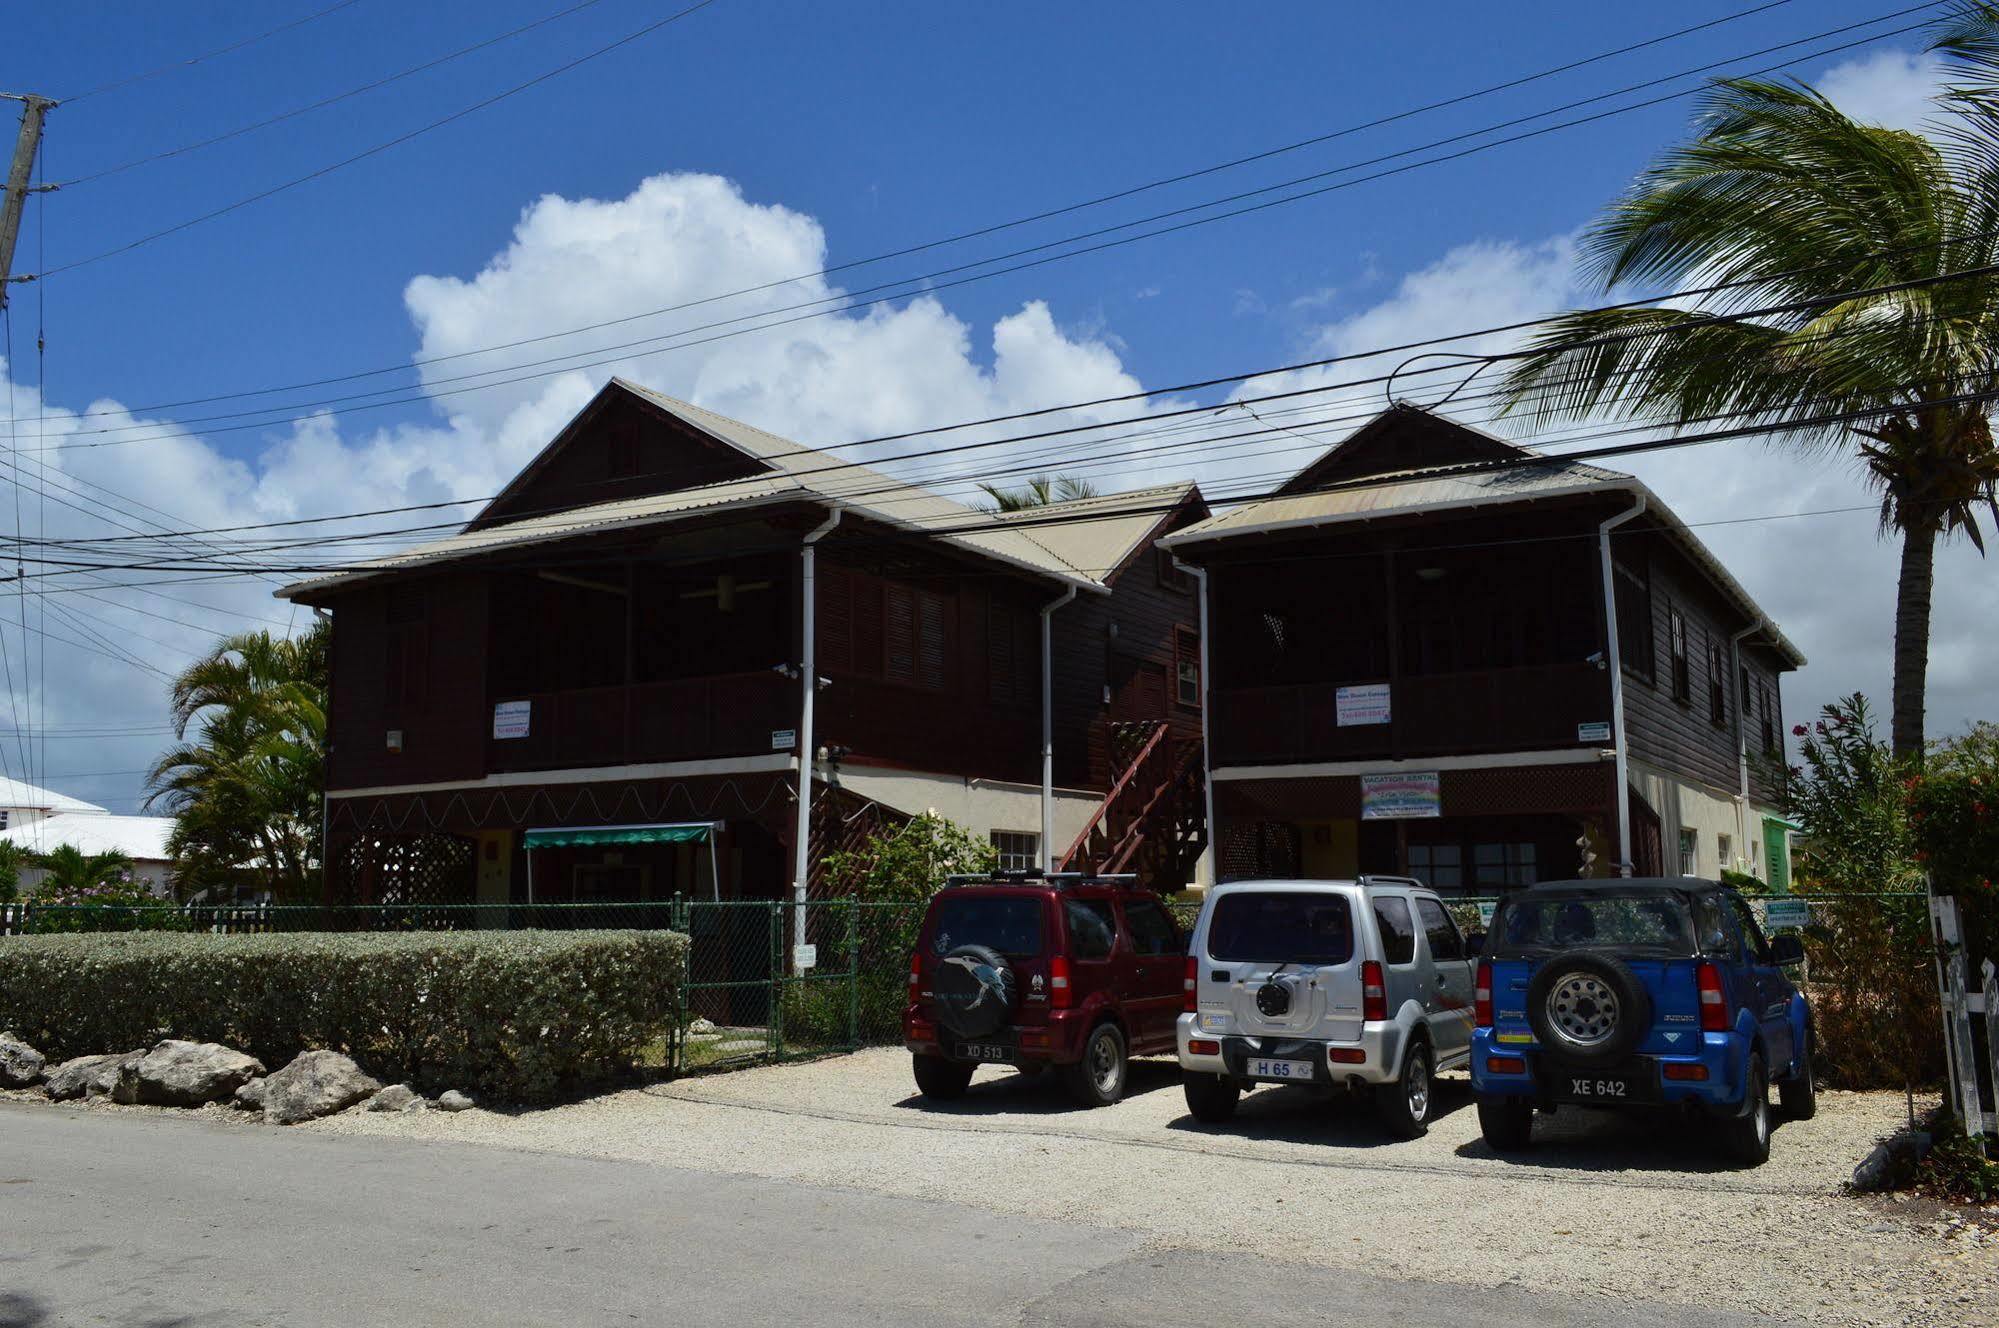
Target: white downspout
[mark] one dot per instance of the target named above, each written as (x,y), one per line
(1741,736)
(1048,727)
(1617,683)
(808,683)
(1211,855)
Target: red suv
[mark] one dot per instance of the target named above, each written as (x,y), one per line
(1034,970)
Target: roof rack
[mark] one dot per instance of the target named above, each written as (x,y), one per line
(1027,875)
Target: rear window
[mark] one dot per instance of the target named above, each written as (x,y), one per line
(1010,924)
(1655,924)
(1280,926)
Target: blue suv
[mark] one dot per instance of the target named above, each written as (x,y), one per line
(1658,993)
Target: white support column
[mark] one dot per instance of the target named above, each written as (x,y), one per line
(1211,855)
(1617,683)
(808,691)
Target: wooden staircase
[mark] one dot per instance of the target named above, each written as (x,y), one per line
(1153,821)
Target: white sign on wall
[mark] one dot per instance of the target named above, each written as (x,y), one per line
(1594,731)
(510,719)
(783,740)
(1364,703)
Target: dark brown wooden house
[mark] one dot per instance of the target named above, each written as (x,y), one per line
(598,691)
(1415,668)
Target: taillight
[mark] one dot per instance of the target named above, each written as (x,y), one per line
(1714,1004)
(1188,985)
(1058,983)
(1482,996)
(1373,992)
(915,974)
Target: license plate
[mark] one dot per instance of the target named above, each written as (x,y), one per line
(1599,1087)
(984,1051)
(1280,1069)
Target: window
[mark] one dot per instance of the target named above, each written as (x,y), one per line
(1440,931)
(1498,865)
(1008,924)
(1676,651)
(1092,928)
(1745,921)
(1724,851)
(1295,926)
(406,650)
(1439,866)
(1633,596)
(1019,850)
(1398,933)
(1717,685)
(1187,667)
(4,814)
(1152,931)
(1013,661)
(1689,852)
(1169,574)
(1769,717)
(917,653)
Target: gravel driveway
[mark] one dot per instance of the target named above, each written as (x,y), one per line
(1604,1206)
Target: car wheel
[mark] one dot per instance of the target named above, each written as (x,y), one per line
(1506,1122)
(940,1079)
(1799,1095)
(1746,1138)
(1211,1098)
(1097,1080)
(1406,1104)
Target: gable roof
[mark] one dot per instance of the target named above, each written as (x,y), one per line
(1123,523)
(789,473)
(17,793)
(1477,482)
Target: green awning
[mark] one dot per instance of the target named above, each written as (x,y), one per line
(684,832)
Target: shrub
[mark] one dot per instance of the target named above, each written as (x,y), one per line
(523,1016)
(114,905)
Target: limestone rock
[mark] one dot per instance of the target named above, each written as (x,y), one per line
(21,1065)
(453,1100)
(187,1074)
(250,1097)
(316,1083)
(397,1097)
(89,1076)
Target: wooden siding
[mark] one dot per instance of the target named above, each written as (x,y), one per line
(435,697)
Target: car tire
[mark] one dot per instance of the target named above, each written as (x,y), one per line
(1506,1122)
(1407,1105)
(1211,1098)
(1746,1138)
(1584,983)
(1098,1079)
(939,1079)
(1798,1096)
(974,991)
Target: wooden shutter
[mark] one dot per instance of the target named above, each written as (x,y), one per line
(933,654)
(900,634)
(1002,664)
(836,619)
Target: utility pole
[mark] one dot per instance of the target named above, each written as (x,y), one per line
(33,111)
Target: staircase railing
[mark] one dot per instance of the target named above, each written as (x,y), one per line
(1133,776)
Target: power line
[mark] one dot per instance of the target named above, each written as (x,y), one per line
(928,282)
(209,55)
(379,148)
(333,100)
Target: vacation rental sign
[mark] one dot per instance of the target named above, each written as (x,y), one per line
(1366,703)
(510,719)
(1401,797)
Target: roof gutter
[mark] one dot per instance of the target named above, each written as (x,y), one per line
(1623,793)
(808,691)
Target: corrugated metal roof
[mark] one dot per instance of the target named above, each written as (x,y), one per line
(799,474)
(1099,547)
(141,838)
(32,797)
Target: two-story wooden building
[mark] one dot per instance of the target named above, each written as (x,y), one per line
(678,654)
(1438,653)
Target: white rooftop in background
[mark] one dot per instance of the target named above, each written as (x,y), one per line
(141,838)
(15,793)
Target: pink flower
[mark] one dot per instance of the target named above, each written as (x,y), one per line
(1797,730)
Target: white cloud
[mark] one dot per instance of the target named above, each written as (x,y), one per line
(1890,87)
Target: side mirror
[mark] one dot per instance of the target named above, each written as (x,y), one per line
(1786,950)
(1474,944)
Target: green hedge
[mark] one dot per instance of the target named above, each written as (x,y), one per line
(525,1016)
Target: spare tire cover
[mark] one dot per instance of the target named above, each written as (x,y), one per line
(1587,1006)
(975,991)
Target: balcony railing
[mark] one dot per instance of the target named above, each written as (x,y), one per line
(683,719)
(1499,710)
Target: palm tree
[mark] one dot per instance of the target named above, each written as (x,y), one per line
(68,870)
(1782,193)
(245,790)
(1040,491)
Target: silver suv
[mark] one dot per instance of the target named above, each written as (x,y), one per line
(1359,985)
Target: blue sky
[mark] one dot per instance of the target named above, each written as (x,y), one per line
(774,135)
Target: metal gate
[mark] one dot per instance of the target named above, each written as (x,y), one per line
(748,1000)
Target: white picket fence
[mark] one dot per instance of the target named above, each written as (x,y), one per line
(1960,1003)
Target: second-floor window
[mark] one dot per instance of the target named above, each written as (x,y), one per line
(876,628)
(917,653)
(1634,621)
(1187,667)
(1676,653)
(406,650)
(1717,684)
(1767,716)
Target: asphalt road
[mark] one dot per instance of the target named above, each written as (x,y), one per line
(134,1219)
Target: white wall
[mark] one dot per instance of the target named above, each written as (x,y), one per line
(1709,812)
(980,806)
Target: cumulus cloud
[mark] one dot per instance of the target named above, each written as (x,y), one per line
(1888,87)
